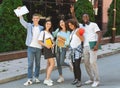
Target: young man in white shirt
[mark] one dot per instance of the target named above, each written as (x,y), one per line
(34,49)
(92,34)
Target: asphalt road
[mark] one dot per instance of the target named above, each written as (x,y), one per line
(109,71)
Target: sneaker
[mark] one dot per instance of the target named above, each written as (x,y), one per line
(36,80)
(29,82)
(51,80)
(48,82)
(61,79)
(88,82)
(78,84)
(95,84)
(75,82)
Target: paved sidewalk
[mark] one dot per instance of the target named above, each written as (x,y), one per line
(17,69)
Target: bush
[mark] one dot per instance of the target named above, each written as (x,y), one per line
(110,19)
(12,34)
(84,6)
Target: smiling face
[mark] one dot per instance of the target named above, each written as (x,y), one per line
(35,19)
(71,26)
(62,23)
(48,25)
(85,18)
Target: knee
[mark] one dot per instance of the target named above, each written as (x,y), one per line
(61,63)
(53,65)
(30,65)
(77,66)
(93,63)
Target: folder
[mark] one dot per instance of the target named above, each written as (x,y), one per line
(48,42)
(23,10)
(93,43)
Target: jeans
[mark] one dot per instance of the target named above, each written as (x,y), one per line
(33,54)
(90,61)
(60,57)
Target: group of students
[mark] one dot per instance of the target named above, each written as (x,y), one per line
(77,43)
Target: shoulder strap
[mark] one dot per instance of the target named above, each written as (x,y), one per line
(72,35)
(43,36)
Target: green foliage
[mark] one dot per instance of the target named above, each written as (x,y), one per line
(12,34)
(84,6)
(110,19)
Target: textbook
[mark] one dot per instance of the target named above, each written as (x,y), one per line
(92,44)
(48,42)
(23,10)
(61,41)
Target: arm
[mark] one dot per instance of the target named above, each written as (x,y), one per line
(43,44)
(73,13)
(80,36)
(41,40)
(67,40)
(23,22)
(99,40)
(55,32)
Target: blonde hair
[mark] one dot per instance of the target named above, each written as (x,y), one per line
(36,14)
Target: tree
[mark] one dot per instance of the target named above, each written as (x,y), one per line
(12,34)
(84,6)
(110,18)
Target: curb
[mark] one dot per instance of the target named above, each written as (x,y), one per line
(43,70)
(108,54)
(19,77)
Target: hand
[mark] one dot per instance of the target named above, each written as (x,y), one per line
(18,7)
(60,39)
(48,47)
(95,48)
(72,9)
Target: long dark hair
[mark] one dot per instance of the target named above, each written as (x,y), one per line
(50,30)
(65,25)
(73,22)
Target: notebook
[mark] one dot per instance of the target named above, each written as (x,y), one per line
(23,10)
(48,42)
(93,43)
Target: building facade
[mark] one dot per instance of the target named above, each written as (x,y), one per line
(106,5)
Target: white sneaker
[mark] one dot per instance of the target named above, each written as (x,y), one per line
(36,80)
(61,79)
(88,82)
(95,83)
(48,82)
(51,80)
(29,82)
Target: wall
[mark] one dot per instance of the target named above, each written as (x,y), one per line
(106,5)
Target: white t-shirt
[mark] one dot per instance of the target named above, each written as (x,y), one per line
(75,40)
(46,35)
(90,32)
(34,42)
